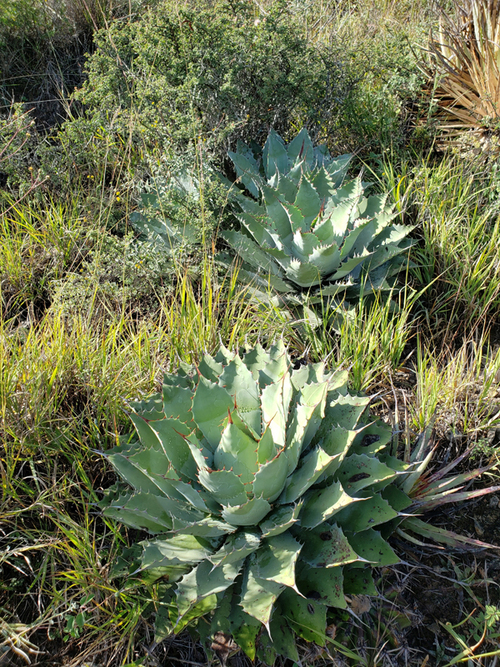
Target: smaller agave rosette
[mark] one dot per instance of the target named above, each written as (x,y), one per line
(268,493)
(307,234)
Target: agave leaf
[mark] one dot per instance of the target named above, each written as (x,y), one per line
(177,403)
(205,580)
(210,368)
(308,202)
(128,464)
(141,513)
(275,400)
(326,546)
(274,155)
(203,457)
(256,360)
(287,189)
(249,249)
(280,228)
(163,625)
(326,259)
(371,546)
(237,452)
(276,559)
(337,169)
(305,421)
(358,580)
(303,274)
(207,528)
(267,446)
(303,245)
(313,464)
(224,485)
(258,225)
(372,438)
(282,635)
(352,236)
(247,173)
(323,183)
(396,498)
(173,442)
(211,404)
(239,383)
(306,617)
(150,409)
(370,513)
(349,266)
(243,628)
(297,225)
(382,255)
(270,478)
(200,609)
(370,207)
(236,548)
(359,471)
(190,493)
(344,411)
(322,585)
(248,514)
(175,549)
(280,520)
(301,149)
(350,191)
(321,504)
(258,595)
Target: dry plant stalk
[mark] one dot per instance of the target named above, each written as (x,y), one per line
(464,64)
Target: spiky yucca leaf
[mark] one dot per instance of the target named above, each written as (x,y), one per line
(464,60)
(268,493)
(306,232)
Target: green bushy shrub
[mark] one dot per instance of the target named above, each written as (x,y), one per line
(118,275)
(216,71)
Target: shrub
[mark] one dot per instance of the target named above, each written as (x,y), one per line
(218,71)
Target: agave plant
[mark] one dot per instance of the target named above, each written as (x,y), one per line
(306,232)
(269,494)
(464,63)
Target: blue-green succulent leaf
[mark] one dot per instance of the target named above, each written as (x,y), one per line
(237,452)
(371,546)
(211,404)
(306,617)
(322,585)
(271,477)
(236,548)
(280,520)
(205,580)
(276,559)
(321,504)
(249,514)
(327,546)
(224,485)
(314,463)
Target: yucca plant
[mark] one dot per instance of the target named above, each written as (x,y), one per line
(307,233)
(464,69)
(269,494)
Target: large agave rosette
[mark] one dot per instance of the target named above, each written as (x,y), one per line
(265,490)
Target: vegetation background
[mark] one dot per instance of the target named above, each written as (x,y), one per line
(115,110)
